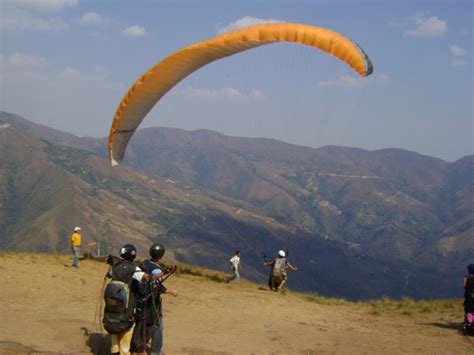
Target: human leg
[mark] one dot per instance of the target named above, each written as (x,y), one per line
(236,276)
(139,339)
(157,338)
(75,254)
(120,343)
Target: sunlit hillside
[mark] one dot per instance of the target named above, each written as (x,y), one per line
(45,303)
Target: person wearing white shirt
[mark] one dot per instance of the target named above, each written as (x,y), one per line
(235,265)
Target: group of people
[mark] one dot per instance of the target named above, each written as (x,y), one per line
(278,270)
(133,312)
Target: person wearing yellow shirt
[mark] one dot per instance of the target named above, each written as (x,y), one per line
(76,246)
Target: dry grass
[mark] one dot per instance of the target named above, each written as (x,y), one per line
(386,305)
(408,306)
(195,270)
(324,300)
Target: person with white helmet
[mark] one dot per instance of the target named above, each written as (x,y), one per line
(76,246)
(278,273)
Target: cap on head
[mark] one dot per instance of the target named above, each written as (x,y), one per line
(77,229)
(157,251)
(128,252)
(281,254)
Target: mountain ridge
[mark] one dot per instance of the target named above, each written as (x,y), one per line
(388,212)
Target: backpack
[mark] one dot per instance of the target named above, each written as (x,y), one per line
(119,299)
(279,267)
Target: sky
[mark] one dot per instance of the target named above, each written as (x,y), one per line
(68,63)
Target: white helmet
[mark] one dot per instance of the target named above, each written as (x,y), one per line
(77,229)
(281,254)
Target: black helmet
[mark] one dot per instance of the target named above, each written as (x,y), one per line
(157,251)
(128,252)
(470,268)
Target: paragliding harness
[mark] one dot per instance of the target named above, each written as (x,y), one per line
(149,295)
(119,299)
(468,325)
(148,311)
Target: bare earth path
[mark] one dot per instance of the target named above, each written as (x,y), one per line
(44,303)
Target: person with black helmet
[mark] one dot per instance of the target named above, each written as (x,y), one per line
(149,315)
(119,320)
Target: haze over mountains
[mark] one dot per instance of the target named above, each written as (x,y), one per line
(359,224)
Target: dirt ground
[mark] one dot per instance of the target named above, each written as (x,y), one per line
(45,302)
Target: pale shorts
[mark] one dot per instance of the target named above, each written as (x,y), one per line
(121,342)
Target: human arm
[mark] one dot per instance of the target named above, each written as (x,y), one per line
(171,291)
(291,267)
(465,282)
(158,275)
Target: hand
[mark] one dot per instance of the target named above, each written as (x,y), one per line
(172,269)
(173,292)
(110,259)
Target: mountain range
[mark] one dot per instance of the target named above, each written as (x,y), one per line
(357,223)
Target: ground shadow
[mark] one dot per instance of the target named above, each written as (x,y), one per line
(99,343)
(462,328)
(450,325)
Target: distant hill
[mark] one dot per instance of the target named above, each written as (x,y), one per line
(391,203)
(358,223)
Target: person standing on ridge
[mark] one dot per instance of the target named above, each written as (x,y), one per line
(235,265)
(278,273)
(469,295)
(149,314)
(76,246)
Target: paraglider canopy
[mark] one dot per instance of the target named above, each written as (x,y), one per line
(164,75)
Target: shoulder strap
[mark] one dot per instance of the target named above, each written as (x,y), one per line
(148,266)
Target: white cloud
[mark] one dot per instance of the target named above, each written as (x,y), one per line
(228,93)
(18,19)
(44,5)
(427,27)
(382,77)
(69,72)
(457,51)
(24,67)
(134,31)
(243,22)
(63,96)
(91,18)
(458,62)
(21,62)
(345,81)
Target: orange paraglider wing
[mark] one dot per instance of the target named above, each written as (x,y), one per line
(159,79)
